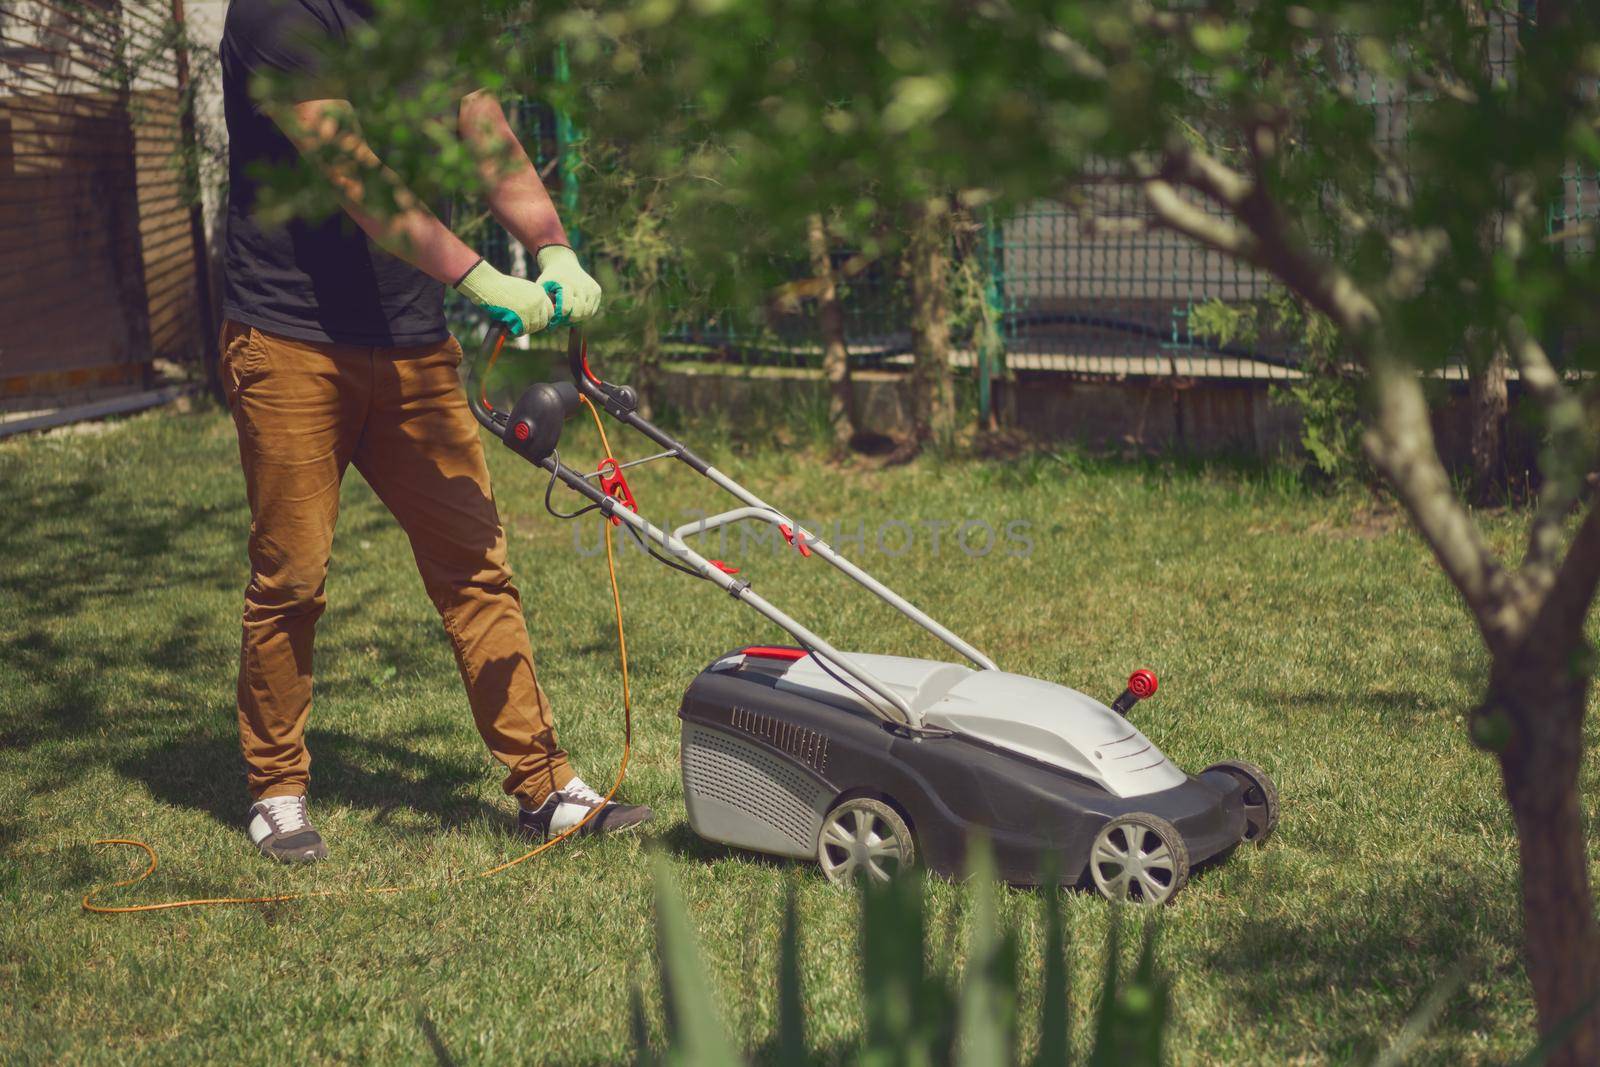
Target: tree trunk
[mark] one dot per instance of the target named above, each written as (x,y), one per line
(830,320)
(1488,414)
(1544,700)
(927,262)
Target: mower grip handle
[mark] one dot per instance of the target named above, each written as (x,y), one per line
(619,400)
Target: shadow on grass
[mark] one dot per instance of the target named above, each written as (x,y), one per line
(683,843)
(430,1033)
(152,700)
(1400,703)
(81,550)
(205,773)
(1281,964)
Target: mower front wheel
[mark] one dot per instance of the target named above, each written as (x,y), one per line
(864,838)
(1139,858)
(1260,798)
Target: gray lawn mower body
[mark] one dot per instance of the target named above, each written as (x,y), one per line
(867,763)
(770,745)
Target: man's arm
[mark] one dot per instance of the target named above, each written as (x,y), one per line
(515,193)
(518,199)
(326,132)
(414,233)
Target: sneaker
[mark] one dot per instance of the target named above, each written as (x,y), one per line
(566,807)
(281,828)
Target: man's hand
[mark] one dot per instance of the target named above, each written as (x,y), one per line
(518,199)
(515,303)
(580,294)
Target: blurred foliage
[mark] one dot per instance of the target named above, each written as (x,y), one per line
(777,107)
(918,1012)
(740,117)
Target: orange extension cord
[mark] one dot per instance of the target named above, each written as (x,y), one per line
(622,771)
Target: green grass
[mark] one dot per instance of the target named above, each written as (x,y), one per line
(1305,633)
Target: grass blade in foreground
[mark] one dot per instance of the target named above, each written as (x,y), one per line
(695,1034)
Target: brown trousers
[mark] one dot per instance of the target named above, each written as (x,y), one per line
(304,412)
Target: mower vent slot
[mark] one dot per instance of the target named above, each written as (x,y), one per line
(743,776)
(801,742)
(1127,751)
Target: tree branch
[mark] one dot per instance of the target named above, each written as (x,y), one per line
(1401,442)
(1568,450)
(1539,376)
(1177,214)
(1401,445)
(1318,282)
(1567,604)
(1095,226)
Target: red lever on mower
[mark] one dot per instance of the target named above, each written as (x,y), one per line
(1141,683)
(615,485)
(789,536)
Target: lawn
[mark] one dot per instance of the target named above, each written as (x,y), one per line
(1311,634)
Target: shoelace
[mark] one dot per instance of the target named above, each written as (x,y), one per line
(578,790)
(288,812)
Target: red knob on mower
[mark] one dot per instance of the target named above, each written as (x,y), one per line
(1141,683)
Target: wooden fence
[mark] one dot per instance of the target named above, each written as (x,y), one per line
(98,254)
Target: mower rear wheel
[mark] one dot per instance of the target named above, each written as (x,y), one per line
(1139,858)
(1260,798)
(864,838)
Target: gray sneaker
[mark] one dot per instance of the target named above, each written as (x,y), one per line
(281,828)
(567,806)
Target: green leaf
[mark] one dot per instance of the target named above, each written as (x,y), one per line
(642,1054)
(791,1009)
(1421,1020)
(1055,1009)
(986,1012)
(1219,40)
(1104,1053)
(1133,1014)
(909,1011)
(695,1034)
(917,99)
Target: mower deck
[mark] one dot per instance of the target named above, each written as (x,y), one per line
(771,745)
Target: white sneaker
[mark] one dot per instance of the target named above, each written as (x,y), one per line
(569,805)
(281,828)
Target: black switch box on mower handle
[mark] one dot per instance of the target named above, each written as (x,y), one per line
(534,427)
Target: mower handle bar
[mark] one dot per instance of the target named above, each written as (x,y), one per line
(726,518)
(624,397)
(620,401)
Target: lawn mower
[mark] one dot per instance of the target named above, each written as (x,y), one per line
(868,764)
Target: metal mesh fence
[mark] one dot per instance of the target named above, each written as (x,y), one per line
(1078,297)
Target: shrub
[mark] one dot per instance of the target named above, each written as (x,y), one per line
(1327,397)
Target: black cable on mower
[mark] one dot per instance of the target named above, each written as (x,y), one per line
(550,487)
(820,662)
(659,558)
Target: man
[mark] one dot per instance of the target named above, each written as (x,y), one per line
(334,351)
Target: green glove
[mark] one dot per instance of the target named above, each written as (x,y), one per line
(520,306)
(558,265)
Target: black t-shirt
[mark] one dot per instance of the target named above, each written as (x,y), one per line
(314,281)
